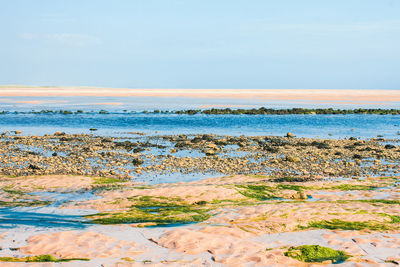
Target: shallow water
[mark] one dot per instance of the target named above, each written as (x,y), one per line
(50,216)
(118,124)
(43,217)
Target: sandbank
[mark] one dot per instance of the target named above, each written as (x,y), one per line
(330,95)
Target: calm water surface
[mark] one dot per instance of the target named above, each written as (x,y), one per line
(117,124)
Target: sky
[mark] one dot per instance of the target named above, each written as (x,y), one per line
(330,44)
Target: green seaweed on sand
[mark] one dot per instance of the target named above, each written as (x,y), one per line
(353,187)
(13,191)
(40,258)
(258,192)
(142,187)
(106,180)
(393,218)
(259,176)
(33,203)
(381,201)
(155,210)
(371,201)
(128,259)
(316,253)
(298,188)
(347,225)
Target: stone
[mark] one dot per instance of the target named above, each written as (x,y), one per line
(292,159)
(209,152)
(289,135)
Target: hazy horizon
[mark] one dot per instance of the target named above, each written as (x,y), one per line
(16,86)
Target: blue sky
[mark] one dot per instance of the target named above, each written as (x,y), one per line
(341,44)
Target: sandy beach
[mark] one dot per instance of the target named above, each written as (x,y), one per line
(85,209)
(241,230)
(317,95)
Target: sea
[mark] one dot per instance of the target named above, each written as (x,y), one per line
(126,115)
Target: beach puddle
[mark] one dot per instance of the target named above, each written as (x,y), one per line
(42,217)
(59,198)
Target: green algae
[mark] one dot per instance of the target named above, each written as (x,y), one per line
(298,188)
(259,176)
(40,258)
(128,259)
(219,201)
(353,187)
(106,180)
(13,191)
(258,192)
(381,201)
(316,253)
(154,210)
(347,225)
(393,218)
(142,187)
(33,203)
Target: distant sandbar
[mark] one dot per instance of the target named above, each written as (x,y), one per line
(353,96)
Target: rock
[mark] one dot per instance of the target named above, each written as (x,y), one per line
(302,195)
(207,137)
(137,161)
(196,140)
(33,167)
(242,144)
(271,149)
(320,145)
(209,152)
(394,260)
(138,150)
(59,133)
(292,159)
(389,146)
(289,135)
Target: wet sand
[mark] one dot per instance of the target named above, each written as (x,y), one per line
(330,96)
(241,231)
(230,220)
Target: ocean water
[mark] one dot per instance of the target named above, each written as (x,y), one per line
(120,123)
(121,119)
